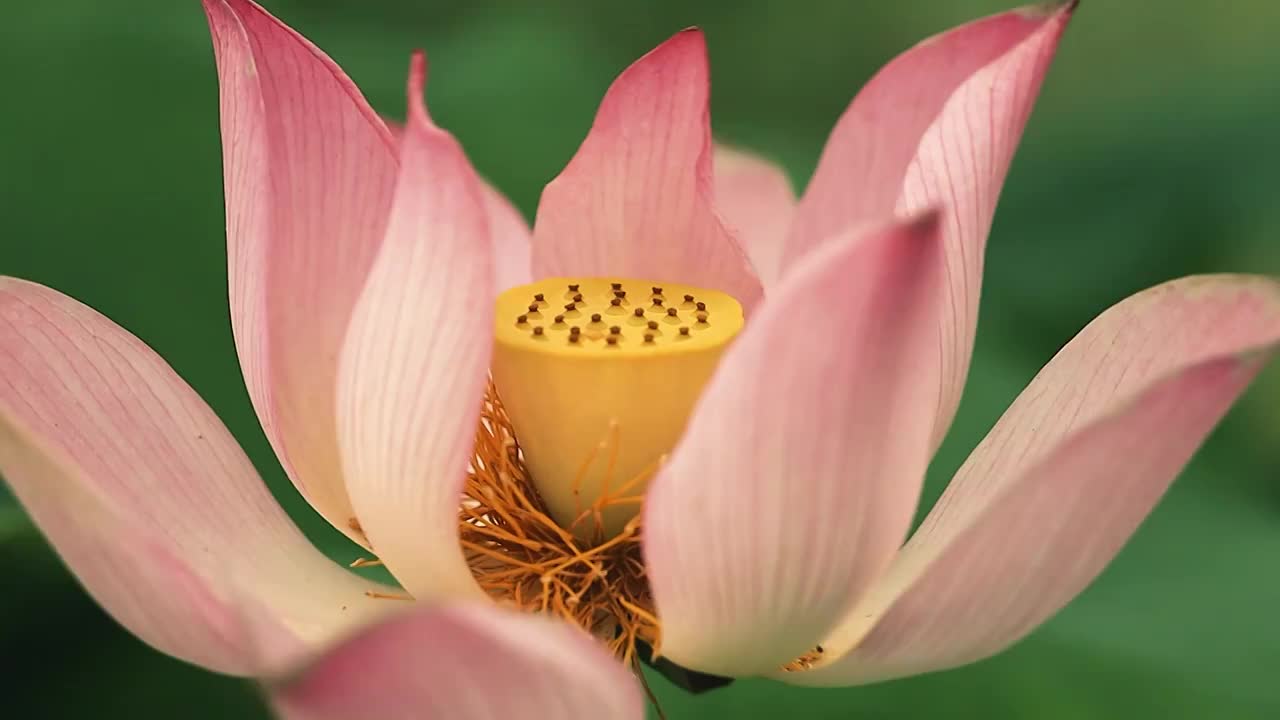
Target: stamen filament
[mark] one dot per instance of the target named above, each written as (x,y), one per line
(520,556)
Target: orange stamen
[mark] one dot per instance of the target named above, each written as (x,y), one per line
(523,558)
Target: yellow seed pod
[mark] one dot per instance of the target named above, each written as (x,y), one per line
(598,376)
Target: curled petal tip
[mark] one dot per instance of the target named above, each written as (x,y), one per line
(418,86)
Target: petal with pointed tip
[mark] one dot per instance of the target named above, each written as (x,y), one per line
(510,231)
(471,662)
(756,200)
(937,126)
(309,171)
(798,475)
(1063,479)
(147,498)
(637,198)
(416,361)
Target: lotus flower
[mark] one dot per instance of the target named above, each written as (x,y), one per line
(685,411)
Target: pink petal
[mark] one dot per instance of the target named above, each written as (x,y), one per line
(472,662)
(148,499)
(1063,479)
(800,470)
(937,126)
(309,171)
(636,200)
(416,361)
(511,242)
(510,232)
(756,200)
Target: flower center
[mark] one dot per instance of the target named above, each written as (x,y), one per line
(598,377)
(523,558)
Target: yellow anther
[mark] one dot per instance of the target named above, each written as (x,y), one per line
(627,386)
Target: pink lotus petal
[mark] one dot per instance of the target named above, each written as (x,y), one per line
(1063,479)
(637,200)
(148,499)
(937,126)
(416,361)
(512,245)
(510,232)
(756,200)
(1036,546)
(799,473)
(309,174)
(473,662)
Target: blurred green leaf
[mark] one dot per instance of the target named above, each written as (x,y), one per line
(13,522)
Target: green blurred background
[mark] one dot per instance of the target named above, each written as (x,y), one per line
(1153,153)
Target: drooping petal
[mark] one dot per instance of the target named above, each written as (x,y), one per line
(1037,545)
(799,473)
(1063,479)
(937,126)
(472,662)
(637,198)
(416,361)
(756,201)
(148,499)
(507,227)
(135,577)
(309,171)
